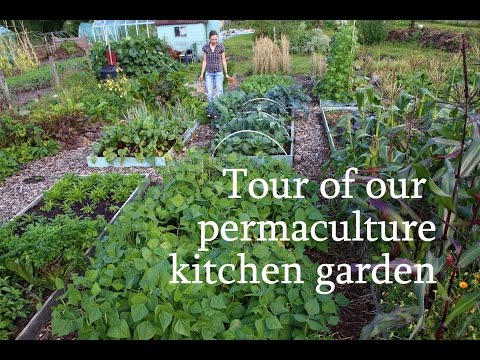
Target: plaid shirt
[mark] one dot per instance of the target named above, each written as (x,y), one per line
(214,58)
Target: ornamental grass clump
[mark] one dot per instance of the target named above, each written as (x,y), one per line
(267,57)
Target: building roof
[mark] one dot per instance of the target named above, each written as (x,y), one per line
(179,22)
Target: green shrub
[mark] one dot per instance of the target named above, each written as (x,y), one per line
(163,86)
(291,97)
(371,31)
(136,55)
(307,41)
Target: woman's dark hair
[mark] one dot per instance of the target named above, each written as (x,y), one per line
(211,33)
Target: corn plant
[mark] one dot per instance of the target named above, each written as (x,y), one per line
(446,154)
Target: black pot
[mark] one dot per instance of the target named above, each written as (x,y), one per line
(108,71)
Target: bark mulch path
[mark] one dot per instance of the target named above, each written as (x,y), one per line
(312,146)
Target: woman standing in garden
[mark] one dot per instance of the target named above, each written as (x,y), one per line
(213,60)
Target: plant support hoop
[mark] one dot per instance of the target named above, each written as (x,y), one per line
(267,99)
(243,131)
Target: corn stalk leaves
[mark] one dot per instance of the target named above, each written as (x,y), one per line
(396,156)
(419,288)
(464,304)
(461,330)
(405,102)
(448,179)
(436,189)
(456,244)
(444,198)
(442,292)
(471,158)
(469,256)
(409,210)
(398,317)
(391,214)
(410,171)
(360,96)
(436,141)
(475,120)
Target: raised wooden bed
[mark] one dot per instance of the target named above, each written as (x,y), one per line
(326,107)
(132,161)
(42,316)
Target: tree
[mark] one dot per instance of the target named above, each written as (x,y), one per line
(36,25)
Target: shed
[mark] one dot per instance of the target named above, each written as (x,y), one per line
(184,34)
(85,29)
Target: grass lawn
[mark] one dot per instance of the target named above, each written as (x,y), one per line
(400,51)
(239,52)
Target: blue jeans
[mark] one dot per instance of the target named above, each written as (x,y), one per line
(210,79)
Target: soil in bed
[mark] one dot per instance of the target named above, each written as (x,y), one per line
(101,208)
(333,117)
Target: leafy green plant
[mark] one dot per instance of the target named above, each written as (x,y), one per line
(98,193)
(113,208)
(126,293)
(89,208)
(21,140)
(12,307)
(44,244)
(94,188)
(76,194)
(48,205)
(161,87)
(258,85)
(250,143)
(291,97)
(227,105)
(98,103)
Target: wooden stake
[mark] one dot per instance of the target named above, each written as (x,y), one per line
(53,68)
(87,55)
(4,86)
